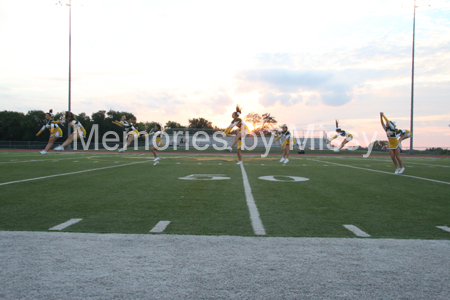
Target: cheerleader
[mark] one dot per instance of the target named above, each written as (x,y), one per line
(288,140)
(347,137)
(242,131)
(157,131)
(394,149)
(132,131)
(55,130)
(78,130)
(402,134)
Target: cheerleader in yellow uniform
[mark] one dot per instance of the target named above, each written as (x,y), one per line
(132,131)
(403,134)
(156,132)
(394,149)
(55,130)
(288,140)
(78,130)
(242,131)
(347,137)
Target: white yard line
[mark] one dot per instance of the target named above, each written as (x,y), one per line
(390,173)
(356,231)
(65,224)
(160,227)
(36,160)
(408,162)
(77,172)
(257,225)
(444,228)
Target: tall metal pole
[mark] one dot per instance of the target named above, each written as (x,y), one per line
(70,61)
(412,82)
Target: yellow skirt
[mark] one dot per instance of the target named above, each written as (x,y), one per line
(393,143)
(134,133)
(56,132)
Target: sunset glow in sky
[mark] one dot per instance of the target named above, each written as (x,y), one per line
(305,62)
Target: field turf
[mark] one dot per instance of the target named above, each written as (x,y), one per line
(126,193)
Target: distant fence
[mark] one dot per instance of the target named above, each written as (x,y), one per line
(184,141)
(202,142)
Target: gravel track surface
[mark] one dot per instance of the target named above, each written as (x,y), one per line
(58,265)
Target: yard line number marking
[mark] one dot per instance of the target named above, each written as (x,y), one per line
(390,173)
(77,172)
(283,178)
(257,225)
(205,177)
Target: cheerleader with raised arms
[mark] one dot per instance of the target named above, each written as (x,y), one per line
(394,149)
(242,131)
(347,137)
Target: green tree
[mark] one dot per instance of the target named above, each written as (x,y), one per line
(11,126)
(200,123)
(261,123)
(173,124)
(268,122)
(32,123)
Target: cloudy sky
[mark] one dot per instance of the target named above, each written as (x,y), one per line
(305,62)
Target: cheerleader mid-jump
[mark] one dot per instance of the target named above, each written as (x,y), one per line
(242,131)
(129,128)
(156,132)
(401,134)
(55,130)
(347,137)
(288,140)
(78,130)
(394,149)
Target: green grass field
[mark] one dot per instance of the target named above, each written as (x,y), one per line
(126,193)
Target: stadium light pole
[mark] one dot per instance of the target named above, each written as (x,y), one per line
(412,79)
(411,151)
(70,58)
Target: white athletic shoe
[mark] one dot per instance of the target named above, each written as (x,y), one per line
(121,150)
(156,159)
(401,170)
(282,159)
(239,162)
(43,152)
(59,148)
(229,148)
(156,162)
(336,150)
(286,160)
(397,171)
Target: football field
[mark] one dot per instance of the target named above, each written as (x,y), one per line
(194,194)
(90,225)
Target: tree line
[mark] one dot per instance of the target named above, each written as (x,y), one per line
(17,126)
